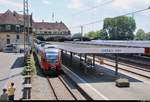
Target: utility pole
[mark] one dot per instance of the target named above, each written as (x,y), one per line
(82,32)
(53,16)
(132,15)
(26,23)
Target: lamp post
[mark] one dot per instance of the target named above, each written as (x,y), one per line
(82,32)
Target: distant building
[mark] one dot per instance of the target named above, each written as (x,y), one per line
(51,30)
(11,28)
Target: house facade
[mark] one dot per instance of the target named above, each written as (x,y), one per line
(12,28)
(51,30)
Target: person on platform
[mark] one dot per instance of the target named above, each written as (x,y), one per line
(4,96)
(11,92)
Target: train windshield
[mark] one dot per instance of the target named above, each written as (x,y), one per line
(52,57)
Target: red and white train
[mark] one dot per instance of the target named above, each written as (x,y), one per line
(50,59)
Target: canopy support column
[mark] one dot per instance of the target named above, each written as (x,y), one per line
(85,56)
(116,62)
(70,58)
(93,60)
(80,57)
(62,55)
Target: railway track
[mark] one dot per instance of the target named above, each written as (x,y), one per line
(61,87)
(60,90)
(135,61)
(106,62)
(132,69)
(126,64)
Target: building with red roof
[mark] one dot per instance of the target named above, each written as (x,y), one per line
(51,30)
(12,29)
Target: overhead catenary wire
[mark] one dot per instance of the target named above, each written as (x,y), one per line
(89,9)
(98,21)
(86,24)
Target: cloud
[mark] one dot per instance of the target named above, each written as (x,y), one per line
(47,2)
(12,3)
(75,4)
(101,1)
(129,4)
(146,13)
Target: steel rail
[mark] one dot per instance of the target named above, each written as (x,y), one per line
(126,69)
(97,60)
(54,92)
(60,78)
(52,88)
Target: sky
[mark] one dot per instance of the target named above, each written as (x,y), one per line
(75,13)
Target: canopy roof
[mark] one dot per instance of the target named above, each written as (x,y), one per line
(96,49)
(145,44)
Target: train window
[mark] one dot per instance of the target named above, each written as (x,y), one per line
(52,58)
(51,47)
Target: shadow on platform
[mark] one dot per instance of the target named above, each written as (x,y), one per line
(18,63)
(93,75)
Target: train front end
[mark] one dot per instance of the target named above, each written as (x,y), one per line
(52,62)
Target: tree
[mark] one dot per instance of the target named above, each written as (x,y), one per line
(93,35)
(140,35)
(77,35)
(103,35)
(148,36)
(119,28)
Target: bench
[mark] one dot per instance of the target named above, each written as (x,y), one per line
(122,82)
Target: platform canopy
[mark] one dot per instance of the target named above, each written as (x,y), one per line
(123,43)
(94,49)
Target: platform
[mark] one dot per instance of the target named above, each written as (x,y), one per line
(11,66)
(102,86)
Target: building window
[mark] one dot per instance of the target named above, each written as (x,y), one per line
(8,35)
(8,27)
(17,37)
(8,41)
(17,28)
(54,32)
(61,33)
